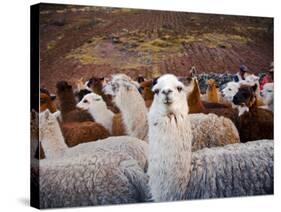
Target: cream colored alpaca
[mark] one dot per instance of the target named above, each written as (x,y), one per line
(96,106)
(131,104)
(177,173)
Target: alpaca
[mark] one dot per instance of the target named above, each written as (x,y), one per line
(109,171)
(204,127)
(77,125)
(81,90)
(254,123)
(47,100)
(229,91)
(97,84)
(68,108)
(95,105)
(212,91)
(254,80)
(268,96)
(175,173)
(131,104)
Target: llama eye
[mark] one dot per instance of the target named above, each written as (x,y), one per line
(97,99)
(269,91)
(229,89)
(85,101)
(156,91)
(179,88)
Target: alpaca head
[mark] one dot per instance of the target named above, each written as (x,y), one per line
(47,101)
(63,86)
(251,80)
(119,81)
(96,84)
(170,95)
(230,90)
(268,93)
(245,96)
(211,84)
(91,101)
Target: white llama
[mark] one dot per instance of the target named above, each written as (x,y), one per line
(131,104)
(175,173)
(96,106)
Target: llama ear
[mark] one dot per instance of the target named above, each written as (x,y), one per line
(154,82)
(254,87)
(140,79)
(101,78)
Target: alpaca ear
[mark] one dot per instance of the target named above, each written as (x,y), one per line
(154,82)
(101,78)
(140,79)
(254,87)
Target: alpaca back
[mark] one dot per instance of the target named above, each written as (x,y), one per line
(211,130)
(81,132)
(256,124)
(231,171)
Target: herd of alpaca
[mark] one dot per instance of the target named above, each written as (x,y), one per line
(121,141)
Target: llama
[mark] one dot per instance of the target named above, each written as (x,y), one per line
(95,105)
(109,171)
(212,91)
(68,108)
(229,91)
(254,80)
(77,125)
(81,90)
(268,96)
(131,104)
(254,123)
(145,90)
(177,173)
(204,126)
(47,100)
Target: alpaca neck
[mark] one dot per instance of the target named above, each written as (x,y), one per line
(170,144)
(67,102)
(212,94)
(134,112)
(194,102)
(53,141)
(103,116)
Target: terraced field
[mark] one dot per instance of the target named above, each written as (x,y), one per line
(85,41)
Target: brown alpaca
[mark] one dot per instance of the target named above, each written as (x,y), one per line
(96,84)
(212,91)
(47,101)
(82,132)
(147,94)
(256,123)
(68,108)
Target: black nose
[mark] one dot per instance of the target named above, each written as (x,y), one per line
(235,100)
(166,92)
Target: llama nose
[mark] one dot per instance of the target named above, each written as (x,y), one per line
(167,91)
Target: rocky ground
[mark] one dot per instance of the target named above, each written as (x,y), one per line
(84,41)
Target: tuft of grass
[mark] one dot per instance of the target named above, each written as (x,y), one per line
(51,45)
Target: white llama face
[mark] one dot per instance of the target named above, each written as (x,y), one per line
(170,94)
(91,100)
(268,92)
(119,80)
(251,79)
(230,90)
